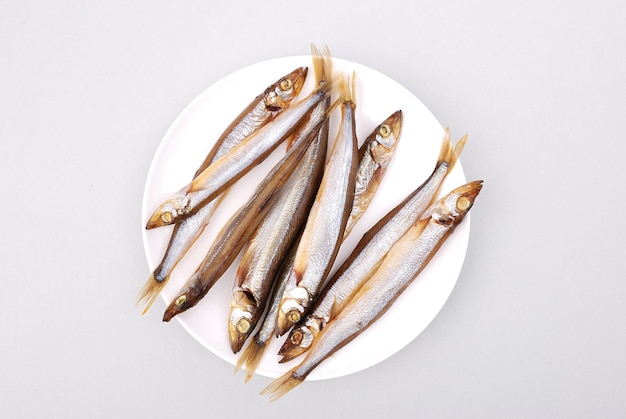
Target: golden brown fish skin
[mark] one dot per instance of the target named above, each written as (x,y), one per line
(404,262)
(326,223)
(368,253)
(220,175)
(235,233)
(374,156)
(259,112)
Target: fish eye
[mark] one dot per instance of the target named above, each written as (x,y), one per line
(293,316)
(296,337)
(384,130)
(166,217)
(285,84)
(463,203)
(181,300)
(243,326)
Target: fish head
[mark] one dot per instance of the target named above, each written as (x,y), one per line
(292,309)
(242,319)
(169,212)
(280,94)
(386,135)
(299,340)
(453,207)
(186,298)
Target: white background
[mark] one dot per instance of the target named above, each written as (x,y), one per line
(535,325)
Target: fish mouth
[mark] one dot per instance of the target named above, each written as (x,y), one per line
(395,121)
(180,304)
(460,200)
(284,320)
(238,334)
(292,309)
(388,133)
(278,100)
(170,211)
(169,314)
(157,219)
(242,319)
(299,75)
(469,190)
(295,345)
(288,317)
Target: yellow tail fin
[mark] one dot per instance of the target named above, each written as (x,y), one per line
(150,292)
(251,358)
(281,386)
(322,65)
(458,148)
(450,153)
(347,88)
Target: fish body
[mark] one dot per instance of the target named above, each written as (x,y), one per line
(226,170)
(269,252)
(326,223)
(273,238)
(265,107)
(277,97)
(236,232)
(374,156)
(369,252)
(405,260)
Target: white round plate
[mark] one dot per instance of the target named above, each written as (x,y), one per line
(192,135)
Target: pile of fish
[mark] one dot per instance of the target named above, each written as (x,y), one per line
(291,228)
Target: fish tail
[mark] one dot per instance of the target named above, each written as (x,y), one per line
(281,386)
(347,88)
(450,153)
(322,64)
(150,292)
(456,152)
(323,69)
(445,154)
(251,358)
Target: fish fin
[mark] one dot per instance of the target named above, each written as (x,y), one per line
(281,386)
(150,292)
(290,141)
(298,267)
(456,152)
(251,358)
(335,309)
(246,262)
